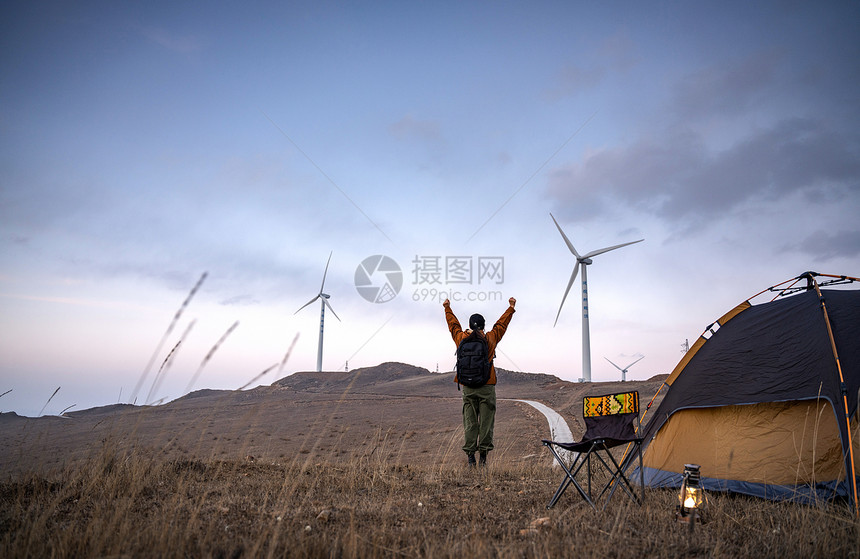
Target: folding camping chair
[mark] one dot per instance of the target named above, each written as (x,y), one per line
(609,423)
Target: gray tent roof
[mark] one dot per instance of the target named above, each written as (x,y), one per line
(775,351)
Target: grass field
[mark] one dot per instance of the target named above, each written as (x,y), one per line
(131,502)
(360,465)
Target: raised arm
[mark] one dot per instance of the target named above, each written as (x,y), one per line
(501,324)
(453,324)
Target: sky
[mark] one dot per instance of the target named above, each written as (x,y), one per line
(147,146)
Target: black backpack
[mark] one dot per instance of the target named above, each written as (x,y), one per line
(473,362)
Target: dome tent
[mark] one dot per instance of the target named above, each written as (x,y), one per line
(766,400)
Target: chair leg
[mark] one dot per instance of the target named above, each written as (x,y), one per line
(588,473)
(562,487)
(624,482)
(558,492)
(641,473)
(618,477)
(586,463)
(570,473)
(613,473)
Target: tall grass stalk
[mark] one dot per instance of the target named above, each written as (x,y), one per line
(288,353)
(140,504)
(162,370)
(209,355)
(41,411)
(166,335)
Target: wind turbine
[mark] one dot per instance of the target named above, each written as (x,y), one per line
(624,370)
(323,297)
(584,261)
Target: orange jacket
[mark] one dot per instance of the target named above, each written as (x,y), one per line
(493,336)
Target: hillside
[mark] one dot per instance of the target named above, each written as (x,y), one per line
(316,417)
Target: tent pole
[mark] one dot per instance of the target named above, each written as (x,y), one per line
(849,472)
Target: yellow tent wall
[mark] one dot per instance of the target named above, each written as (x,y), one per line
(780,443)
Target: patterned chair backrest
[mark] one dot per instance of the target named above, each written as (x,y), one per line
(611,415)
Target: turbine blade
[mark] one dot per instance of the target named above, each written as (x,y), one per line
(614,365)
(331,309)
(566,291)
(326,272)
(607,249)
(306,304)
(566,240)
(638,360)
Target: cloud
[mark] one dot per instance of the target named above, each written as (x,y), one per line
(182,44)
(574,79)
(409,127)
(75,301)
(794,155)
(824,246)
(240,300)
(727,89)
(20,240)
(677,178)
(615,54)
(644,175)
(619,51)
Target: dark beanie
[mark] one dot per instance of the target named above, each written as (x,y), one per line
(476,322)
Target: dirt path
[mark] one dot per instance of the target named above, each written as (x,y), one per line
(558,428)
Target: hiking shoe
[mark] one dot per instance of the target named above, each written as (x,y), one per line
(471,456)
(483,459)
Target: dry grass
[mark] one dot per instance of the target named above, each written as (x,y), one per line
(134,503)
(349,470)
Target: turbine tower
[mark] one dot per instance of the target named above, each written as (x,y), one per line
(323,297)
(585,261)
(624,370)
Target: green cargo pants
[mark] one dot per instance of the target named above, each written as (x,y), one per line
(479,416)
